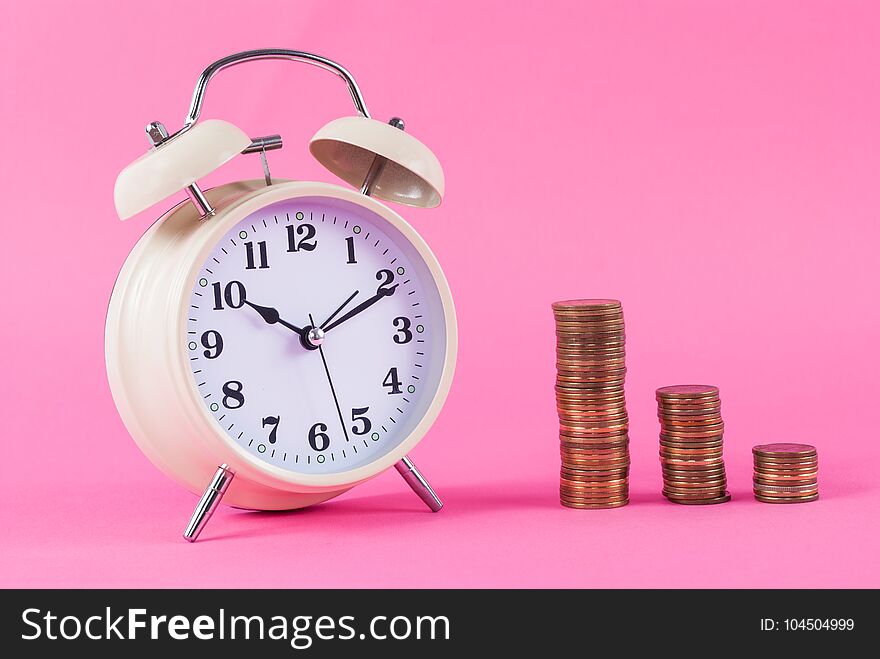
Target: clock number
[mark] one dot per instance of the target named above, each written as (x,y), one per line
(362,423)
(385,287)
(213,343)
(318,437)
(392,382)
(232,394)
(272,421)
(233,295)
(403,335)
(350,243)
(250,256)
(300,237)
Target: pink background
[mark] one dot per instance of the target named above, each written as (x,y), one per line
(712,164)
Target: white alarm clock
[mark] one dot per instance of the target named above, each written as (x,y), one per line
(274,343)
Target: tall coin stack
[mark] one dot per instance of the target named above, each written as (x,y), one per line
(593,424)
(786,473)
(691,444)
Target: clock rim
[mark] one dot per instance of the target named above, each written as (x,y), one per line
(251,466)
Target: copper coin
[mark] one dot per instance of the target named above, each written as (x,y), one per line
(793,467)
(671,471)
(575,442)
(719,485)
(785,464)
(600,473)
(690,444)
(687,391)
(806,476)
(585,506)
(673,404)
(586,303)
(678,474)
(600,497)
(688,432)
(784,450)
(766,499)
(575,489)
(694,465)
(785,488)
(703,502)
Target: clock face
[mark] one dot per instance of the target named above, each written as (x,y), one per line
(316,335)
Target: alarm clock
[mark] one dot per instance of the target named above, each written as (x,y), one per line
(274,343)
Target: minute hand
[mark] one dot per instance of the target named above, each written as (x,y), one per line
(369,302)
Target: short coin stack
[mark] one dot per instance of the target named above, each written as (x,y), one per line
(786,473)
(691,444)
(593,423)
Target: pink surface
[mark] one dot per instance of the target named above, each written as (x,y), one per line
(714,165)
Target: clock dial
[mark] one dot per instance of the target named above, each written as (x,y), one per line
(316,335)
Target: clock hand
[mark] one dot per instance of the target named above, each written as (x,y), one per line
(366,304)
(332,388)
(270,315)
(341,307)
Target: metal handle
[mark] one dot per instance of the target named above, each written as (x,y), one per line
(198,99)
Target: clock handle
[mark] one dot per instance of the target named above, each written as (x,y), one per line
(209,502)
(198,98)
(418,483)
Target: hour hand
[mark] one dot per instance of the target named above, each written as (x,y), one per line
(271,316)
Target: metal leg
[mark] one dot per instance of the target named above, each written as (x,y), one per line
(419,484)
(209,502)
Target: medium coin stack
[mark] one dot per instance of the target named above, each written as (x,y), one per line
(786,473)
(691,444)
(593,424)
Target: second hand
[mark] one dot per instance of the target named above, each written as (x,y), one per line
(332,388)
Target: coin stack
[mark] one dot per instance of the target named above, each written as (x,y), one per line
(786,473)
(691,444)
(593,424)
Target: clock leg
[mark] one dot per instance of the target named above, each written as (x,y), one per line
(419,484)
(209,502)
